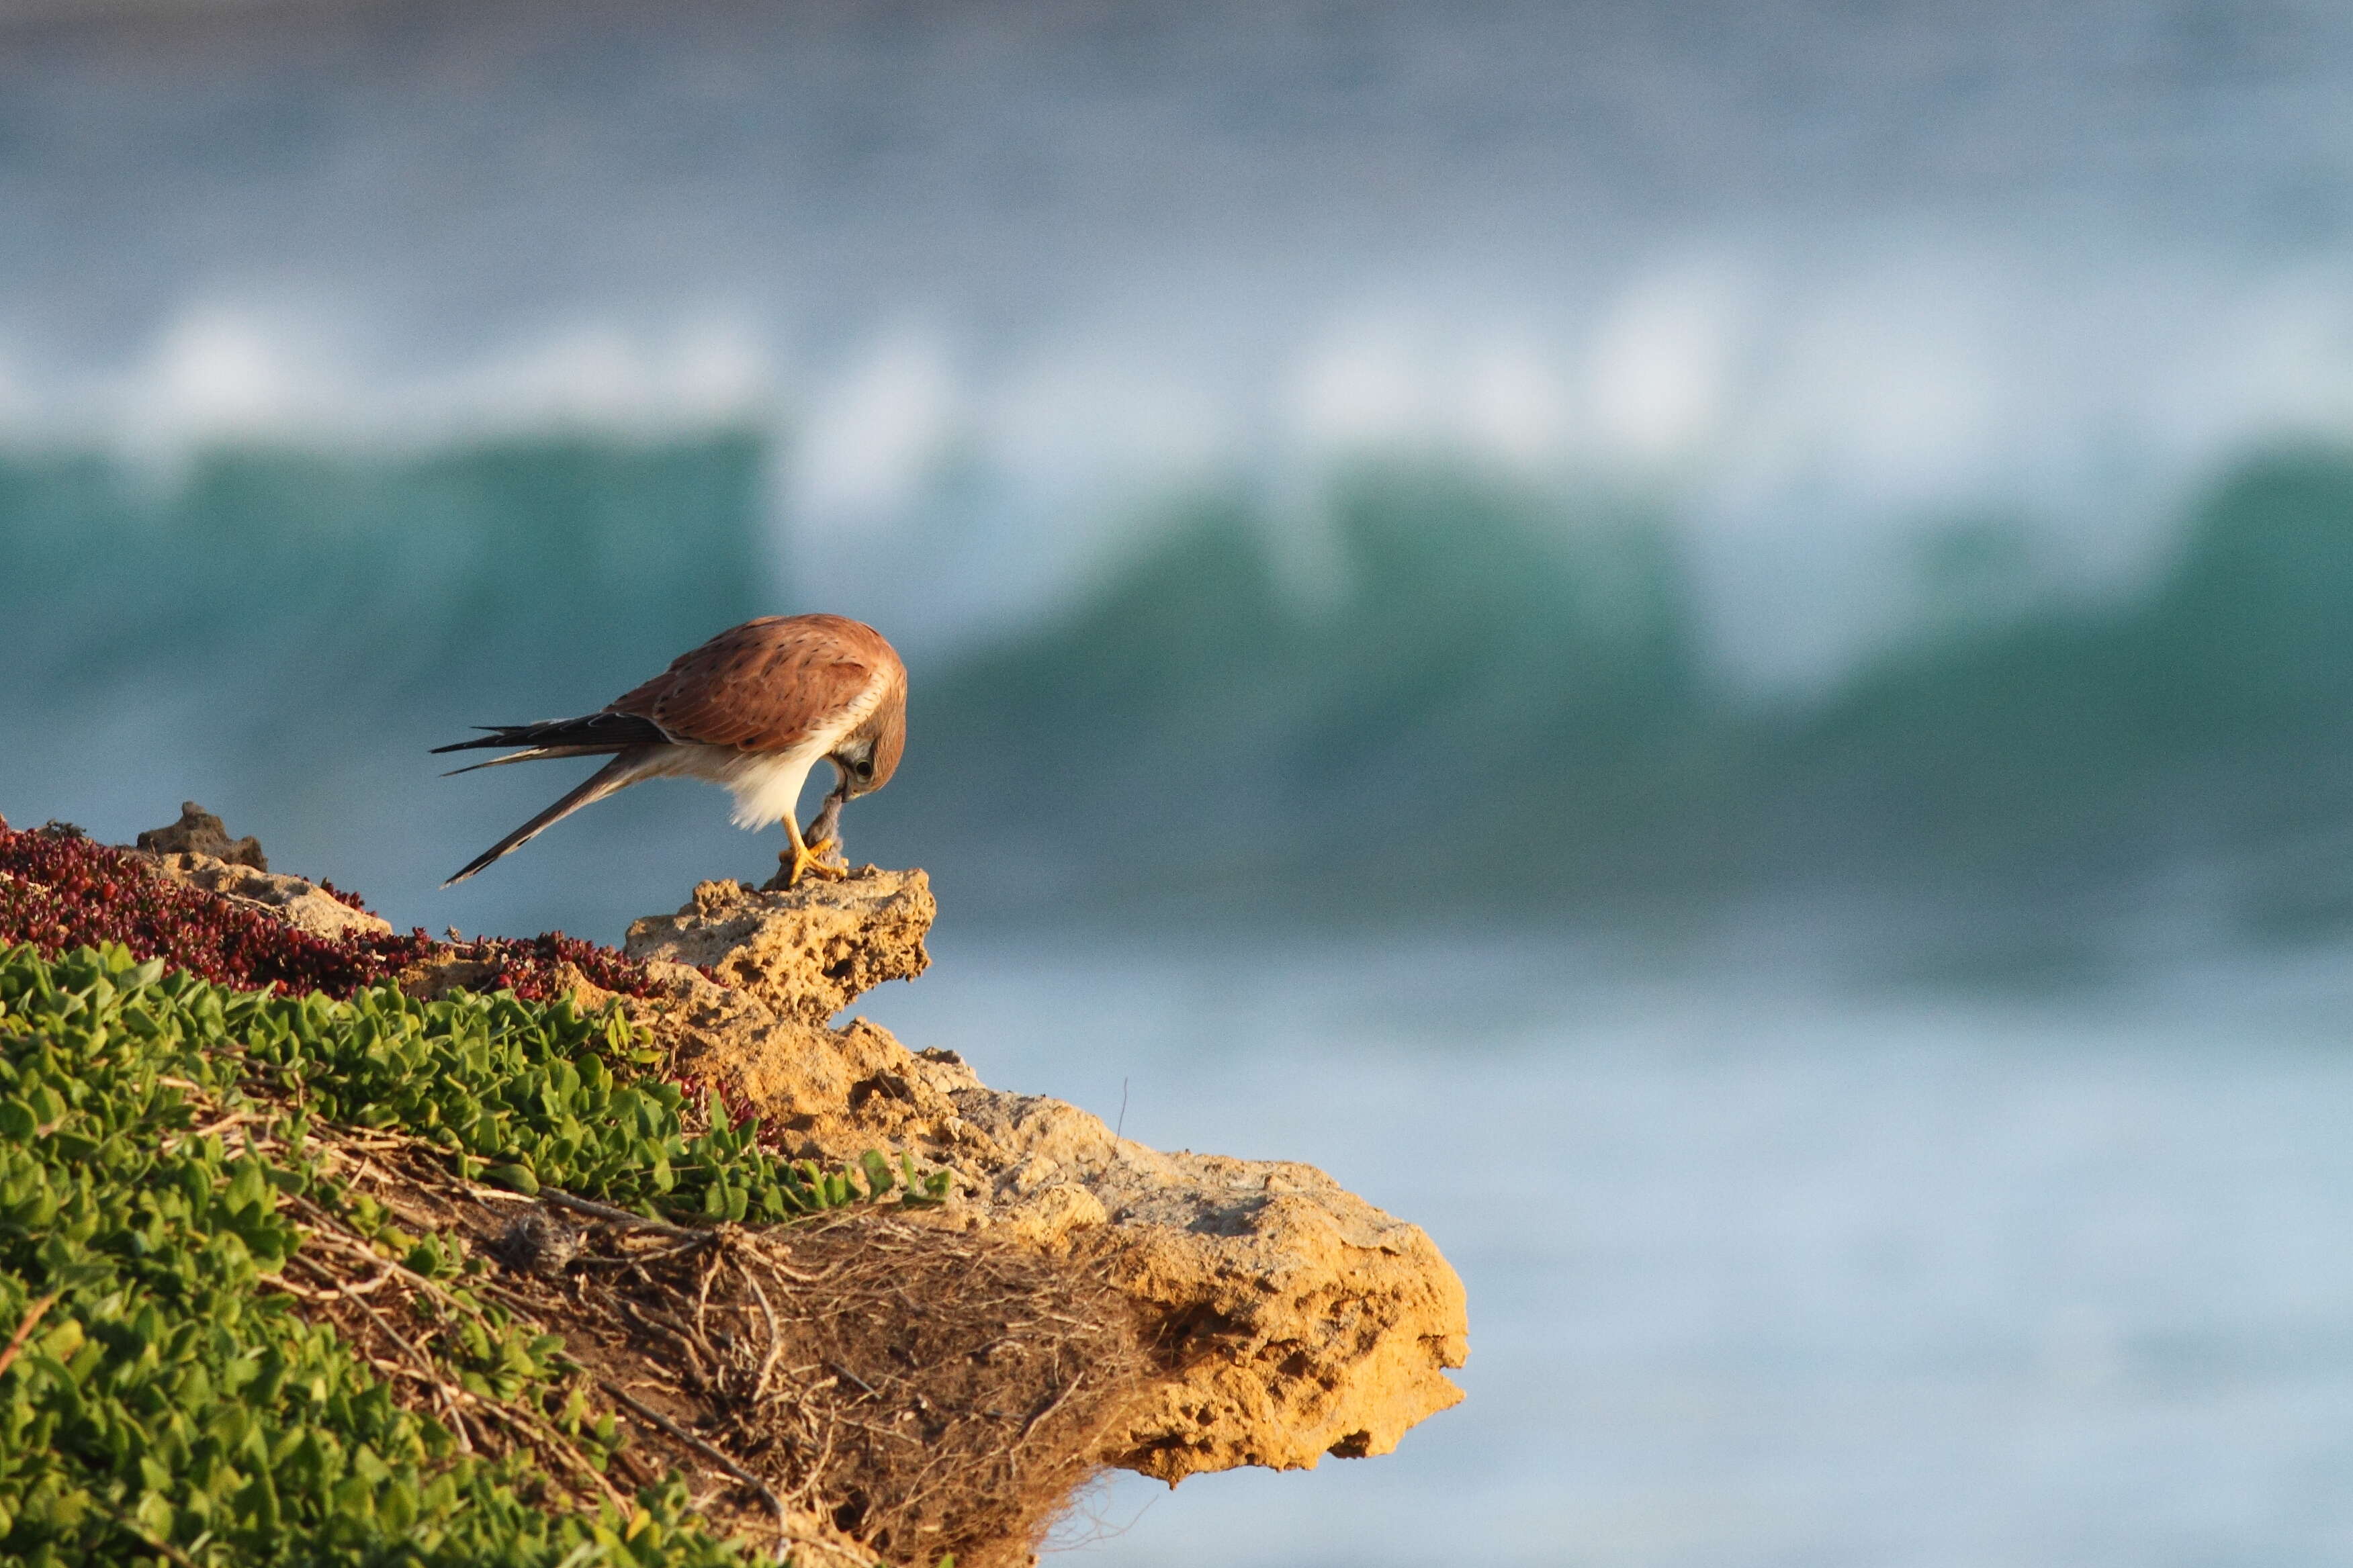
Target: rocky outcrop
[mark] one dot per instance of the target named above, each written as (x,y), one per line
(806,953)
(1296,1319)
(1292,1318)
(199,832)
(197,850)
(300,904)
(432,978)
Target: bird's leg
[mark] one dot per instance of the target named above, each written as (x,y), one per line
(825,834)
(799,858)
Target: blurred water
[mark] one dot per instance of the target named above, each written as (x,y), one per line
(1765,1265)
(1651,452)
(1518,679)
(1825,280)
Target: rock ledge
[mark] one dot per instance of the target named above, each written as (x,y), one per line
(302,905)
(1297,1318)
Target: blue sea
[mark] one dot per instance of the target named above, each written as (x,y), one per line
(1768,1263)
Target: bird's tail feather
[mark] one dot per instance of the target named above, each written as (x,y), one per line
(530,755)
(618,774)
(590,734)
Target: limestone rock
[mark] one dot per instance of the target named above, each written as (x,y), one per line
(1304,1319)
(300,904)
(199,832)
(805,952)
(437,976)
(833,1092)
(1299,1319)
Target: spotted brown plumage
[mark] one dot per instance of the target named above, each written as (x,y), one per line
(753,708)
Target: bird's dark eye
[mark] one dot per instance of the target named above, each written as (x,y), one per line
(863,769)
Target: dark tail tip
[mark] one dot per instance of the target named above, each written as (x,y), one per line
(491,735)
(476,864)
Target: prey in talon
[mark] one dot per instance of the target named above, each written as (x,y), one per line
(755,709)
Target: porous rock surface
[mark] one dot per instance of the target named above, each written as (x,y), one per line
(1298,1319)
(198,851)
(198,831)
(300,904)
(805,954)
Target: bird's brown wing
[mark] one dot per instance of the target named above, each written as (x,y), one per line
(763,685)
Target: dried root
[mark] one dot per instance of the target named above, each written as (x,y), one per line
(922,1390)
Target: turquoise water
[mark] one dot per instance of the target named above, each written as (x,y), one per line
(1765,1265)
(1511,704)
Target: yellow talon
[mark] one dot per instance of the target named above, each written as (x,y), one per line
(801,858)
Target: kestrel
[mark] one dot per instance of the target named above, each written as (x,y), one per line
(753,708)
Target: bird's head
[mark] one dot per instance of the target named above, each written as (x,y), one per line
(869,754)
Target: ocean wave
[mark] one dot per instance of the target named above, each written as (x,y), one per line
(1502,698)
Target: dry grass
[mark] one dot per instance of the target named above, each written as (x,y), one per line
(927,1390)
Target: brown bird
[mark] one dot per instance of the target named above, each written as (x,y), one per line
(753,708)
